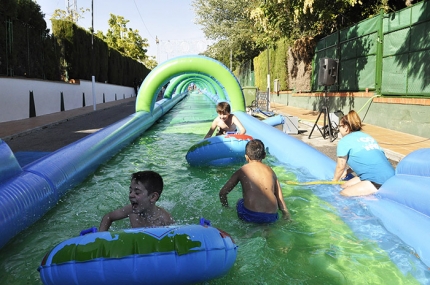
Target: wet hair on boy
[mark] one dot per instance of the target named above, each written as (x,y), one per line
(152,181)
(223,108)
(225,122)
(255,150)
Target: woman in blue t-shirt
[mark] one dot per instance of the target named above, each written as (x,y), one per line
(363,155)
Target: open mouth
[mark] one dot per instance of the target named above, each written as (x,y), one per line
(134,206)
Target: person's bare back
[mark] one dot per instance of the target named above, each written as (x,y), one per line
(262,193)
(259,193)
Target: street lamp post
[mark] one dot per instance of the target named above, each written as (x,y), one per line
(268,80)
(158,51)
(93,77)
(231,59)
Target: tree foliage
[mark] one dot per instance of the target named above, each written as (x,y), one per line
(23,26)
(229,24)
(72,17)
(316,18)
(249,26)
(118,36)
(26,12)
(127,40)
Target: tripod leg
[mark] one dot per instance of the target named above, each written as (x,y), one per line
(332,131)
(326,132)
(315,125)
(329,127)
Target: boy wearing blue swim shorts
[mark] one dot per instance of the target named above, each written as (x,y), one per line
(262,193)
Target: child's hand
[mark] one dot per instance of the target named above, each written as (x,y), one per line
(285,215)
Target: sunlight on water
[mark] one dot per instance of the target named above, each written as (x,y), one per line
(317,247)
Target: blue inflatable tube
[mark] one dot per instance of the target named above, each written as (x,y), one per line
(218,150)
(164,255)
(9,166)
(275,120)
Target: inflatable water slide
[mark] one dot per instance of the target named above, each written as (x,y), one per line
(27,193)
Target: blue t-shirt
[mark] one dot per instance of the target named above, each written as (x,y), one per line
(365,157)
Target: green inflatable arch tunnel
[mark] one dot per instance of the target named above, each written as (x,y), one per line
(189,64)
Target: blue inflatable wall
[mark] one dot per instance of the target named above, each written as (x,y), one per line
(403,203)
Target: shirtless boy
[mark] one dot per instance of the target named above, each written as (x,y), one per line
(262,193)
(145,190)
(225,122)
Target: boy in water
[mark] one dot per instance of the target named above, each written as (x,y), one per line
(262,193)
(225,122)
(145,190)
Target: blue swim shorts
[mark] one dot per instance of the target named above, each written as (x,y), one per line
(254,217)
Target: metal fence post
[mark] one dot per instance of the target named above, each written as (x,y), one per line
(379,53)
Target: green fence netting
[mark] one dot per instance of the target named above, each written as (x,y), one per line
(387,53)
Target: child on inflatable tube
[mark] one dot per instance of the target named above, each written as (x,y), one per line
(145,190)
(262,193)
(225,122)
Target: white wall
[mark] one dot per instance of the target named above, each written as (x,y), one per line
(15,96)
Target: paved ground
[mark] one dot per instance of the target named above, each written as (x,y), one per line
(317,141)
(56,135)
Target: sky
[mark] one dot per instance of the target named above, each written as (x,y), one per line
(171,21)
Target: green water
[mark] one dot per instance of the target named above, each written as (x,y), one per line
(316,248)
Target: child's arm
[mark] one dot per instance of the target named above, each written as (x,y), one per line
(114,216)
(229,185)
(281,203)
(212,129)
(238,124)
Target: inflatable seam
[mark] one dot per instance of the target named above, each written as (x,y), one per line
(44,177)
(402,205)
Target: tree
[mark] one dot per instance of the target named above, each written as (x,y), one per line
(23,38)
(316,18)
(127,40)
(72,17)
(228,22)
